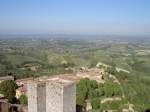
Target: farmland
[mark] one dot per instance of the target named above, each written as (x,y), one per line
(37,55)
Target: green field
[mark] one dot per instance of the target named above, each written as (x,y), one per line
(53,57)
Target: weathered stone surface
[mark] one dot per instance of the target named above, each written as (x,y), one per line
(32,97)
(54,95)
(69,98)
(36,97)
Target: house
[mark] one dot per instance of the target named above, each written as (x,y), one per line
(4,106)
(6,78)
(21,90)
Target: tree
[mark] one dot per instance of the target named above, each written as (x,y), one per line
(80,100)
(8,89)
(147,110)
(86,89)
(95,103)
(112,70)
(100,91)
(108,88)
(23,99)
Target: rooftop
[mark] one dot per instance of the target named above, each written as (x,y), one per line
(7,78)
(60,81)
(56,80)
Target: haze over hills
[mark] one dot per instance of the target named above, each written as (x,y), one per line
(35,56)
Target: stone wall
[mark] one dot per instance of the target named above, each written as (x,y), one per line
(54,96)
(41,97)
(69,98)
(32,97)
(4,107)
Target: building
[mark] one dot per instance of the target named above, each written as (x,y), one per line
(4,106)
(60,95)
(36,97)
(6,78)
(53,95)
(20,91)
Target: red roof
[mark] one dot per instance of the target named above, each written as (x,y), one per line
(23,89)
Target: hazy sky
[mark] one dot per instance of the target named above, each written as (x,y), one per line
(75,16)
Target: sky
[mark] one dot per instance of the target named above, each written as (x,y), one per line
(125,17)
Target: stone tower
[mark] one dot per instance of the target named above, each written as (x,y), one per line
(36,97)
(53,95)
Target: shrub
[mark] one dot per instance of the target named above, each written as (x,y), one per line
(23,99)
